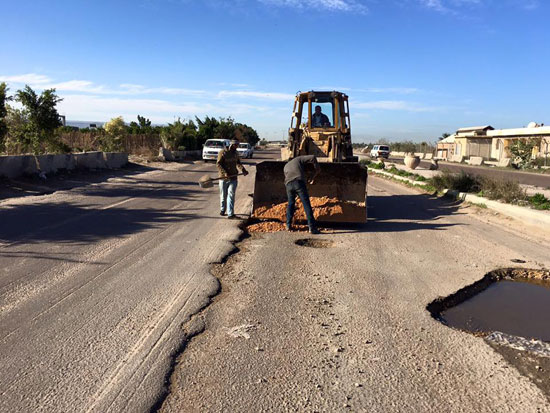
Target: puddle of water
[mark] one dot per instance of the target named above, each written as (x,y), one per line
(520,308)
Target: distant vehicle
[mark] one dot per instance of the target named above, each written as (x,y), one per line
(245,150)
(212,148)
(380,151)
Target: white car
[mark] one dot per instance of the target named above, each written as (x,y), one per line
(380,151)
(245,150)
(212,148)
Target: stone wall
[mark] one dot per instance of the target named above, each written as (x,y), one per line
(17,165)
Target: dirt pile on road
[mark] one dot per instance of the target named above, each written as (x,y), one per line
(274,226)
(324,209)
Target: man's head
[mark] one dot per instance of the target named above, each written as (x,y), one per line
(233,144)
(317,109)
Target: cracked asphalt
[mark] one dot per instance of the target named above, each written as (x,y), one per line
(109,302)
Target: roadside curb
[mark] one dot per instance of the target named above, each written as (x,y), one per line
(527,215)
(399,178)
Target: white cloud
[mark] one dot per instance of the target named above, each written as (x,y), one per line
(450,6)
(333,5)
(85,86)
(396,105)
(254,94)
(82,107)
(29,78)
(394,90)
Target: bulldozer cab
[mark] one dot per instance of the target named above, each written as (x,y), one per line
(320,126)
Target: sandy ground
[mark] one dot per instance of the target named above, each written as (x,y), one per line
(344,327)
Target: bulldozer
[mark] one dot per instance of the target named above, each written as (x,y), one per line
(320,126)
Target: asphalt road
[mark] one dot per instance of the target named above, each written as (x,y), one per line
(97,281)
(101,285)
(345,328)
(525,178)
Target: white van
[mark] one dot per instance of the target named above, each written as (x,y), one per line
(245,150)
(212,148)
(380,151)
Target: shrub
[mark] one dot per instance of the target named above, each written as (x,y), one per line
(505,190)
(461,182)
(365,162)
(376,165)
(539,201)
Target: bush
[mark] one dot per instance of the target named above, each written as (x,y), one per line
(461,182)
(539,201)
(376,165)
(505,190)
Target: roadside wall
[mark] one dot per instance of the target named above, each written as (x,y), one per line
(17,165)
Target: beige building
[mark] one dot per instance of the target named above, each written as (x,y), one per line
(491,144)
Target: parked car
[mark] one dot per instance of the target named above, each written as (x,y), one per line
(380,151)
(245,150)
(212,148)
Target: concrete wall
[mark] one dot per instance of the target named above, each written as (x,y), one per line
(170,156)
(14,166)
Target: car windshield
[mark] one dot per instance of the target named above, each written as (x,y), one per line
(243,146)
(214,144)
(384,148)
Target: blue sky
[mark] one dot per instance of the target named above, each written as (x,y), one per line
(413,68)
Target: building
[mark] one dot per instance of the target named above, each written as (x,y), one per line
(492,144)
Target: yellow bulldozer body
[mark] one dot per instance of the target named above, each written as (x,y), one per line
(320,126)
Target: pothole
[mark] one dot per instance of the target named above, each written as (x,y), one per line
(314,243)
(512,301)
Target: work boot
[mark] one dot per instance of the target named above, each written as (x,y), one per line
(232,216)
(222,213)
(288,227)
(314,231)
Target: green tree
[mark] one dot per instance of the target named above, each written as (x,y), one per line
(4,98)
(16,140)
(245,133)
(443,136)
(226,129)
(42,119)
(522,150)
(115,130)
(206,129)
(180,135)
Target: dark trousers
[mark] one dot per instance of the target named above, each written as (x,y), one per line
(298,187)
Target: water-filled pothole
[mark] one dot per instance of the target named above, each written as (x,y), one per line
(314,243)
(513,301)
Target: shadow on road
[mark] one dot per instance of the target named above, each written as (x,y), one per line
(69,223)
(33,185)
(178,191)
(397,213)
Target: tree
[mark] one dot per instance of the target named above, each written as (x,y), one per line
(226,129)
(4,98)
(42,119)
(142,126)
(245,133)
(180,135)
(443,136)
(522,150)
(115,130)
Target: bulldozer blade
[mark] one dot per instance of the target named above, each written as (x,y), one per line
(344,183)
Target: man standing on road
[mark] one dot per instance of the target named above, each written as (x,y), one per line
(227,163)
(295,182)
